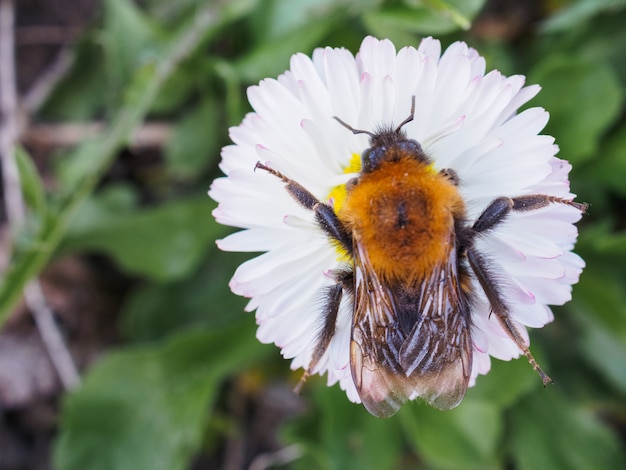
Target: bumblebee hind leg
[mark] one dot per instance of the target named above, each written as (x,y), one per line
(499,308)
(496,212)
(491,217)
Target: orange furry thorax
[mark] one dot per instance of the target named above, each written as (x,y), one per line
(403,214)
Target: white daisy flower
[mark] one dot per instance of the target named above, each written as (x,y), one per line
(467,123)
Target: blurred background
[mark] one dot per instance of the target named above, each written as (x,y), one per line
(141,358)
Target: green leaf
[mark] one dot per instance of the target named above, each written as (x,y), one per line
(33,191)
(600,293)
(606,351)
(271,58)
(343,435)
(460,12)
(233,99)
(583,99)
(145,407)
(600,313)
(432,17)
(609,167)
(466,437)
(194,145)
(577,13)
(275,18)
(506,383)
(82,93)
(164,243)
(549,431)
(612,244)
(202,299)
(354,438)
(170,12)
(129,38)
(181,88)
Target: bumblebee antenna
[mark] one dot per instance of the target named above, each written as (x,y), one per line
(352,129)
(372,134)
(408,119)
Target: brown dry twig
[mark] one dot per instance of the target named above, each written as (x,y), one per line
(8,113)
(53,136)
(9,131)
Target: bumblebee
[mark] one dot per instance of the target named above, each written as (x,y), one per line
(405,229)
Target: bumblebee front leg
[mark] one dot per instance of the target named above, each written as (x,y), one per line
(332,226)
(496,212)
(324,214)
(491,217)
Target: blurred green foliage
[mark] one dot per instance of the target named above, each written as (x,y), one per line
(152,403)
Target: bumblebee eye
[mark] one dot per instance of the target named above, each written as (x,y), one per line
(371,158)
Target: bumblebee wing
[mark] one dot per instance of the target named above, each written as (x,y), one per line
(410,340)
(436,354)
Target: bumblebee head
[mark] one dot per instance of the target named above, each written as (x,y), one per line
(388,144)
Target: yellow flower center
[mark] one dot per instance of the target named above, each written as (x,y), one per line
(337,197)
(338,194)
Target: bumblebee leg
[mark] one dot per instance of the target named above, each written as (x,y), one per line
(452,176)
(324,214)
(500,207)
(333,296)
(331,310)
(493,215)
(500,310)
